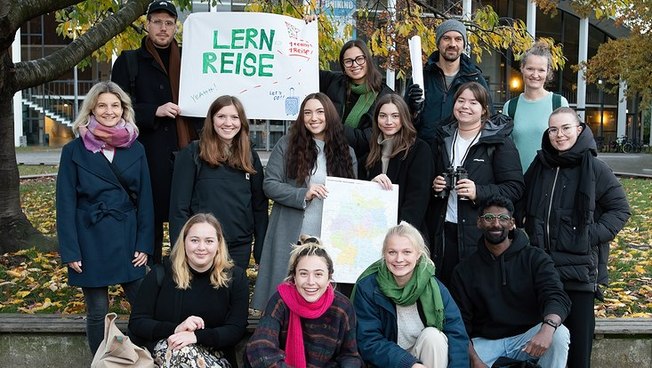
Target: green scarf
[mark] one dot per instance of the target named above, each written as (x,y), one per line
(422,286)
(366,99)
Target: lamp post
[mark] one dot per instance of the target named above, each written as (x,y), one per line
(601,98)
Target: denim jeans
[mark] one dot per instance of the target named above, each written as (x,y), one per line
(97,306)
(512,347)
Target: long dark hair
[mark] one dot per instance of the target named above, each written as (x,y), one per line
(403,140)
(302,150)
(373,79)
(214,151)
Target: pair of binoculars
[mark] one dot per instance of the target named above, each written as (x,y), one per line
(452,175)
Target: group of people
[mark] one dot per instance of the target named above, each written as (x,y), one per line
(513,213)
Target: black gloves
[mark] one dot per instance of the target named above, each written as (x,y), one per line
(415,98)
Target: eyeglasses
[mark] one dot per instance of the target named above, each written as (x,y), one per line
(503,218)
(360,60)
(565,130)
(163,23)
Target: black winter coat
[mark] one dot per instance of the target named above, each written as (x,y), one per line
(414,175)
(158,135)
(335,86)
(550,213)
(493,164)
(233,196)
(438,106)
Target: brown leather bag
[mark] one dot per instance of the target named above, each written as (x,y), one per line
(117,350)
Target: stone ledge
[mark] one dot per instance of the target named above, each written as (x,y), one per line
(59,341)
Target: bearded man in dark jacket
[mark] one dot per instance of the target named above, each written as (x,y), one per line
(573,208)
(445,71)
(510,296)
(151,79)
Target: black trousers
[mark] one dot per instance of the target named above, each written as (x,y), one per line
(450,253)
(581,324)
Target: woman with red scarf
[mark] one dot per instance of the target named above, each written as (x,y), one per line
(104,204)
(306,323)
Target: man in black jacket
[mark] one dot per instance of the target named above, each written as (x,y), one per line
(445,71)
(510,296)
(150,75)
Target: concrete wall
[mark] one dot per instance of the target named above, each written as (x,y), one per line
(71,351)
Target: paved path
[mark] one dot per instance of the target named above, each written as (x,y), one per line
(628,164)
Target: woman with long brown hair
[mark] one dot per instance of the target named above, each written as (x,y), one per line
(397,156)
(294,179)
(222,174)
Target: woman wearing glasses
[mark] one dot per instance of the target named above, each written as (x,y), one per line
(574,207)
(354,92)
(474,160)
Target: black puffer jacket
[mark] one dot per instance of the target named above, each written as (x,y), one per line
(552,218)
(334,85)
(492,164)
(438,106)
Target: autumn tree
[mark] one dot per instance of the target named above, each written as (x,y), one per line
(116,16)
(625,59)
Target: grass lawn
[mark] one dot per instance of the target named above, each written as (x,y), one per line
(33,282)
(24,170)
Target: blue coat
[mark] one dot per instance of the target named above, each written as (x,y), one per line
(96,221)
(377,329)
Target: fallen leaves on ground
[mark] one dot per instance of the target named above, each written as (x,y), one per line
(35,282)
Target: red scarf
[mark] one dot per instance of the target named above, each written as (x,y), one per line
(97,136)
(295,354)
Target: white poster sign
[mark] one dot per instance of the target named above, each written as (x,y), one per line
(269,61)
(355,219)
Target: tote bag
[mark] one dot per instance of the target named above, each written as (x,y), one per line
(117,350)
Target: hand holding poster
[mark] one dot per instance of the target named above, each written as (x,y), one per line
(269,61)
(415,60)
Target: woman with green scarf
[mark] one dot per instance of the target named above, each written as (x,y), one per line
(406,317)
(354,92)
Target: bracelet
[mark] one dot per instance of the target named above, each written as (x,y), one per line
(552,323)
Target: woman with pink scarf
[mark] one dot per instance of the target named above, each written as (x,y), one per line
(306,323)
(104,204)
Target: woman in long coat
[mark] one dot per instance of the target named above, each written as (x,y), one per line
(294,180)
(105,231)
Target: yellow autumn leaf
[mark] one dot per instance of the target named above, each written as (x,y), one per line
(22,294)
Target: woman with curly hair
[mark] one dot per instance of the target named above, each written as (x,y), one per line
(294,179)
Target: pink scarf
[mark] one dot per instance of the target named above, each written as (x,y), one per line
(97,136)
(295,355)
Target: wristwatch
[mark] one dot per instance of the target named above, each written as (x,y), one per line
(552,323)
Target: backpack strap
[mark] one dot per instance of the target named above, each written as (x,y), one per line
(556,101)
(132,70)
(511,106)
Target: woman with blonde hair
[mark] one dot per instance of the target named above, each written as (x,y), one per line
(192,310)
(306,323)
(222,174)
(104,204)
(406,317)
(530,110)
